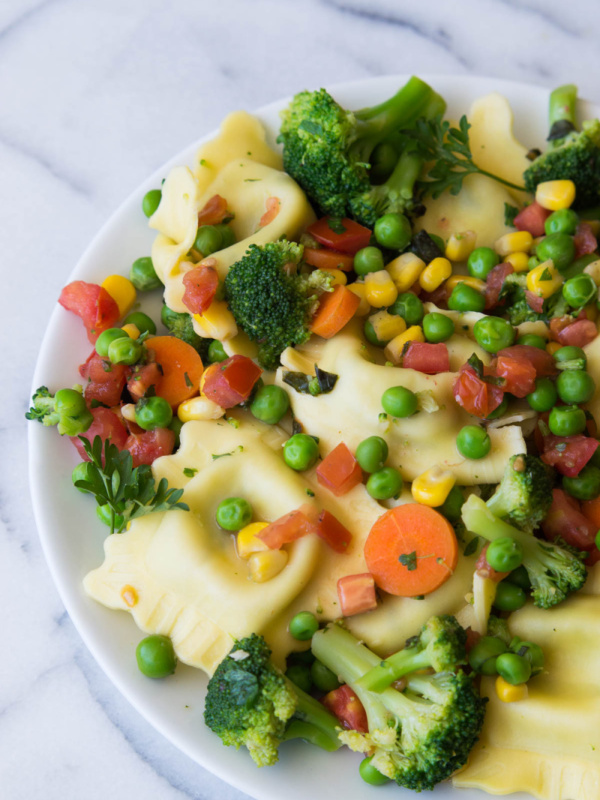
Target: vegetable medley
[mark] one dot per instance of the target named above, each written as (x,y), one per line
(357,468)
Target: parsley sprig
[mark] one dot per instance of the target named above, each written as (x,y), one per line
(128,492)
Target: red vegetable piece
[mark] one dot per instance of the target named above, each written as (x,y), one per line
(483,569)
(541,360)
(339,471)
(439,297)
(357,594)
(534,302)
(105,381)
(93,304)
(584,239)
(566,521)
(142,379)
(201,284)
(568,454)
(427,358)
(532,219)
(292,526)
(494,283)
(273,205)
(519,376)
(329,233)
(345,705)
(579,333)
(214,212)
(331,530)
(230,382)
(473,637)
(474,394)
(106,425)
(147,446)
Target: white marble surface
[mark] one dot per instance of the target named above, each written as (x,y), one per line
(93,97)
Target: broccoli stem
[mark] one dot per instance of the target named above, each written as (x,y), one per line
(313,723)
(405,175)
(394,667)
(562,105)
(480,520)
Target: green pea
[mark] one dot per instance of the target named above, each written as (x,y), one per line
(504,554)
(323,678)
(234,513)
(465,298)
(482,261)
(575,386)
(488,647)
(228,237)
(578,291)
(125,351)
(383,160)
(499,411)
(104,514)
(473,442)
(142,322)
(270,404)
(369,259)
(408,306)
(567,420)
(399,401)
(299,674)
(81,473)
(513,668)
(303,626)
(216,352)
(143,275)
(384,484)
(571,357)
(532,340)
(208,240)
(544,396)
(153,412)
(69,402)
(371,774)
(156,657)
(371,336)
(305,657)
(372,453)
(105,339)
(452,506)
(300,452)
(520,577)
(563,221)
(393,231)
(509,597)
(585,485)
(151,201)
(437,327)
(493,333)
(74,416)
(532,263)
(559,247)
(532,652)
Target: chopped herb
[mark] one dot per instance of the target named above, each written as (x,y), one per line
(233,422)
(476,363)
(189,472)
(98,404)
(322,383)
(510,212)
(425,247)
(409,560)
(203,162)
(238,449)
(471,546)
(252,180)
(310,493)
(336,225)
(188,381)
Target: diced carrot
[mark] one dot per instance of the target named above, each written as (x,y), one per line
(357,594)
(411,550)
(230,382)
(339,471)
(322,258)
(335,310)
(180,366)
(214,211)
(273,205)
(292,526)
(331,530)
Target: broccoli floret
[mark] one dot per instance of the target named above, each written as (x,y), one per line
(72,417)
(251,703)
(181,326)
(328,150)
(524,495)
(573,154)
(418,737)
(555,570)
(516,307)
(440,645)
(271,303)
(498,628)
(42,409)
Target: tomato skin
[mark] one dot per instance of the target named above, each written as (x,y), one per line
(213,212)
(475,395)
(142,379)
(357,594)
(353,239)
(566,521)
(201,284)
(494,283)
(579,333)
(542,361)
(345,705)
(519,376)
(147,446)
(532,219)
(323,258)
(105,381)
(568,454)
(107,425)
(339,471)
(230,382)
(534,302)
(93,304)
(291,526)
(483,569)
(331,530)
(273,206)
(584,239)
(428,358)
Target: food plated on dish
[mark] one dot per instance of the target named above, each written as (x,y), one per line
(354,481)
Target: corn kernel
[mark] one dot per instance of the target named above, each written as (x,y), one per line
(386,325)
(474,283)
(393,350)
(435,273)
(247,542)
(517,242)
(555,195)
(519,261)
(593,270)
(265,566)
(217,322)
(460,245)
(338,278)
(128,412)
(199,408)
(359,290)
(433,486)
(544,279)
(380,290)
(122,292)
(509,693)
(552,347)
(129,596)
(405,270)
(131,330)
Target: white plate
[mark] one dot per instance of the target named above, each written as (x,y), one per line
(72,538)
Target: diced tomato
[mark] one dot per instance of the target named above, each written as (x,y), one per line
(329,232)
(474,394)
(494,283)
(105,381)
(331,530)
(345,705)
(339,471)
(568,454)
(427,358)
(558,324)
(290,527)
(473,637)
(519,376)
(566,521)
(439,297)
(532,219)
(147,446)
(93,304)
(579,333)
(357,594)
(483,569)
(584,239)
(201,284)
(541,360)
(106,425)
(324,258)
(230,382)
(534,302)
(144,376)
(214,211)
(273,205)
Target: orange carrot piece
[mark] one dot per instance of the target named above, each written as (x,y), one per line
(335,310)
(181,368)
(273,205)
(323,258)
(356,594)
(411,550)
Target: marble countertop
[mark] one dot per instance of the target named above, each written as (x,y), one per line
(94,96)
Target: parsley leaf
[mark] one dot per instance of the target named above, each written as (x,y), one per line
(510,212)
(409,560)
(336,225)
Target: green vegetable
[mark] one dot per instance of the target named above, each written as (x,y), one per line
(575,386)
(473,442)
(520,578)
(234,513)
(465,298)
(303,625)
(452,505)
(208,240)
(559,247)
(104,514)
(509,597)
(300,452)
(384,484)
(371,336)
(504,555)
(398,401)
(563,221)
(567,420)
(393,231)
(227,234)
(513,668)
(156,657)
(532,340)
(493,333)
(437,327)
(580,290)
(143,275)
(369,259)
(299,674)
(270,404)
(570,357)
(524,495)
(483,655)
(141,321)
(371,774)
(153,412)
(216,352)
(106,338)
(544,396)
(67,410)
(482,261)
(181,326)
(408,306)
(151,201)
(585,485)
(323,678)
(372,453)
(125,351)
(80,473)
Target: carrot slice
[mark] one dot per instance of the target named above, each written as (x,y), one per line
(181,368)
(411,550)
(323,258)
(335,310)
